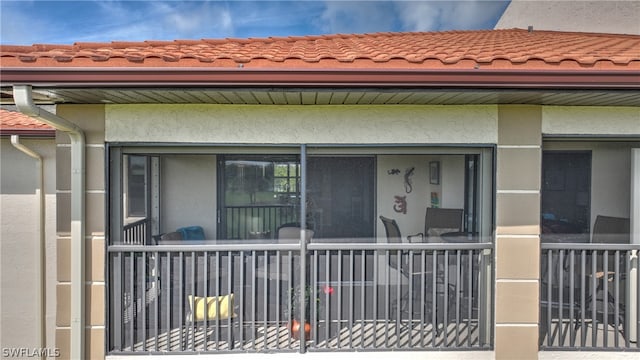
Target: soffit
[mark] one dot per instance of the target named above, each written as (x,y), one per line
(341,96)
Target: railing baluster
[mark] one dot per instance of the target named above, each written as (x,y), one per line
(387,292)
(434,297)
(351,300)
(327,277)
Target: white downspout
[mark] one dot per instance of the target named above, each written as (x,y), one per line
(40,289)
(22,94)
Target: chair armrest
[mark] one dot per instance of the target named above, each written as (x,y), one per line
(419,237)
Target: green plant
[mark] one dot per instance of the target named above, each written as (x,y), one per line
(297,297)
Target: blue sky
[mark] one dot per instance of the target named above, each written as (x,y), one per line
(65,22)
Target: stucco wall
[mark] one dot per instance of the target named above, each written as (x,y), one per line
(607,16)
(590,120)
(19,239)
(301,124)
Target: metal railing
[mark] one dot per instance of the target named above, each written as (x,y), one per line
(137,232)
(588,296)
(257,221)
(353,298)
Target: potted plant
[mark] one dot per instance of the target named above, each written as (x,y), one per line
(299,298)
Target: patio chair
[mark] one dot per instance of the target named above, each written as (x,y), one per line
(400,262)
(191,233)
(291,231)
(609,230)
(438,221)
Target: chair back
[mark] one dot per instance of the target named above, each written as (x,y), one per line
(292,233)
(393,236)
(191,233)
(439,220)
(611,230)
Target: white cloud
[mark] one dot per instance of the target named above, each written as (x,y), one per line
(439,15)
(419,16)
(158,20)
(356,17)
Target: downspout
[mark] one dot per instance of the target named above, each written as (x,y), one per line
(22,95)
(40,289)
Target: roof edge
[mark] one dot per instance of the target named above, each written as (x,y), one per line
(30,133)
(411,78)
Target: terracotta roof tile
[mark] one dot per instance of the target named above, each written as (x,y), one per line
(13,120)
(489,48)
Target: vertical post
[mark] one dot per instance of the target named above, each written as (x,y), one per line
(303,244)
(633,303)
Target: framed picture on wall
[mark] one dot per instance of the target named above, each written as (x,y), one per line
(434,172)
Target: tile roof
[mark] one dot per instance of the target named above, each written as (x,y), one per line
(497,49)
(13,122)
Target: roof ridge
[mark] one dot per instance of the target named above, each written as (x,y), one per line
(269,39)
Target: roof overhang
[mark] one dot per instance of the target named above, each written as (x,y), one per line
(315,86)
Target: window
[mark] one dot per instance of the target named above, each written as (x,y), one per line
(136,182)
(586,184)
(241,193)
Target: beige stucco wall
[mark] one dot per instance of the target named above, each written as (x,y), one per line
(517,240)
(302,124)
(590,120)
(91,119)
(606,16)
(19,241)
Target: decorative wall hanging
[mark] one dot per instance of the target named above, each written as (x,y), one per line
(400,204)
(435,200)
(393,171)
(434,172)
(408,173)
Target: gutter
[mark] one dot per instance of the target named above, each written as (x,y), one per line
(22,95)
(313,78)
(40,249)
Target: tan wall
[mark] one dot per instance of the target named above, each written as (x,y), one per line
(517,232)
(91,119)
(590,120)
(19,240)
(302,124)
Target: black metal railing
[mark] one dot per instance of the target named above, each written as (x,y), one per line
(257,221)
(353,298)
(587,296)
(137,232)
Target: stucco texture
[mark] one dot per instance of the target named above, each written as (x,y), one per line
(590,120)
(238,124)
